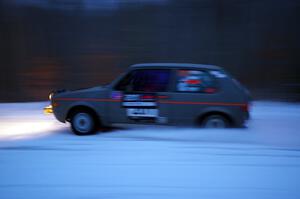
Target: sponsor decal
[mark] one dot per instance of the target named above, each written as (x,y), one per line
(131,97)
(116,95)
(147,97)
(139,112)
(139,100)
(139,104)
(193,81)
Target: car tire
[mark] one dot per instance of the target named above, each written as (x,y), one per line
(215,122)
(83,123)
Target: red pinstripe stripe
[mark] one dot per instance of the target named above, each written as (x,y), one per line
(161,101)
(204,103)
(87,99)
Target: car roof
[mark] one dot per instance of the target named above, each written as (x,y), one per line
(175,65)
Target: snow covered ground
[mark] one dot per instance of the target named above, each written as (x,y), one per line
(40,158)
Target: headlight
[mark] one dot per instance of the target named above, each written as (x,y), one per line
(50,96)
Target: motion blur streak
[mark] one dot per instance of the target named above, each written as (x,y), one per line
(20,130)
(24,120)
(54,44)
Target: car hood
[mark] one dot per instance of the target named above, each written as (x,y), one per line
(96,88)
(84,92)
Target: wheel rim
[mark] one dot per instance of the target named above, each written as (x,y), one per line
(83,122)
(215,123)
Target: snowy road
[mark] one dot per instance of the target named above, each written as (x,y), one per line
(40,158)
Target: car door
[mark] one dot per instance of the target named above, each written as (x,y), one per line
(139,94)
(193,90)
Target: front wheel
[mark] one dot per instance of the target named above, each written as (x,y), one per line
(215,121)
(83,123)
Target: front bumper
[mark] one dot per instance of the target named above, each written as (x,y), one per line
(48,109)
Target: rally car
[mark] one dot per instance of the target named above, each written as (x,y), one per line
(156,93)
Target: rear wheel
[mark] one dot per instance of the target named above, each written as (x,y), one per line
(215,121)
(83,123)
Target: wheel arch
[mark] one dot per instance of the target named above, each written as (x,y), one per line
(84,107)
(200,119)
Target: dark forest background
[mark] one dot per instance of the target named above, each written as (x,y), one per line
(54,44)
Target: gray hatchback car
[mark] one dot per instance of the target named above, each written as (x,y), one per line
(156,93)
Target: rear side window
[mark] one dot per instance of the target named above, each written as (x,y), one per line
(195,81)
(151,80)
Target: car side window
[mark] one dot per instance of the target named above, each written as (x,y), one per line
(149,80)
(195,81)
